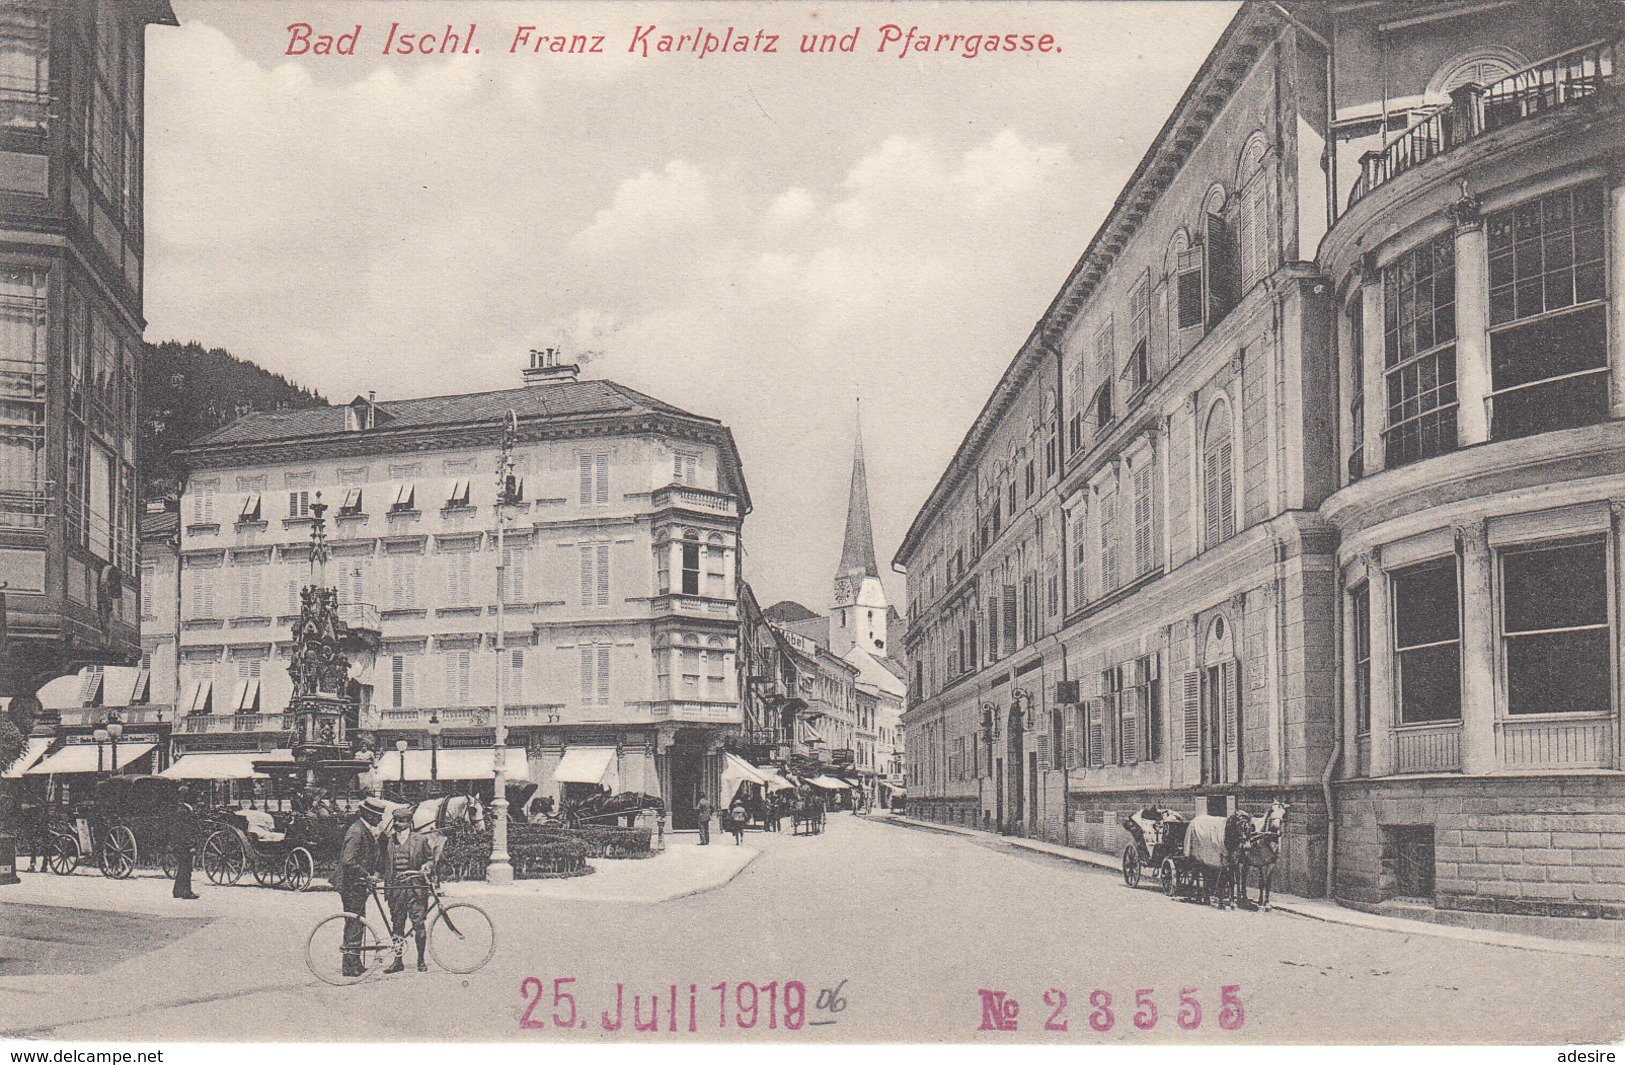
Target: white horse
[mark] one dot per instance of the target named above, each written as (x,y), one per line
(441,818)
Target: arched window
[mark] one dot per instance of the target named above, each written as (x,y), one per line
(1218,728)
(1479,67)
(1255,240)
(1218,483)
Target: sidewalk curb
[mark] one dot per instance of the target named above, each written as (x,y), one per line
(724,882)
(1309,909)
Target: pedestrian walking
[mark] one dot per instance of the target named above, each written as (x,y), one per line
(184,842)
(408,859)
(702,813)
(357,871)
(738,818)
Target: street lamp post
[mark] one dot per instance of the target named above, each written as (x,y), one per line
(500,869)
(433,729)
(401,746)
(115,729)
(100,736)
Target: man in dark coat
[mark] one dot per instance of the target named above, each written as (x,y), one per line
(184,842)
(357,869)
(408,860)
(702,813)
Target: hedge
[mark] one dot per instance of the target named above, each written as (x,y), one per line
(604,842)
(534,856)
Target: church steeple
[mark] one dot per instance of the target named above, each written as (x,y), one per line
(858,550)
(858,613)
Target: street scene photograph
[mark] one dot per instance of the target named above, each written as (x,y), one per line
(1090,523)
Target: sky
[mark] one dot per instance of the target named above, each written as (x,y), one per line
(757,237)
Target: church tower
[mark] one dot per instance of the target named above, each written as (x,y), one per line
(858,612)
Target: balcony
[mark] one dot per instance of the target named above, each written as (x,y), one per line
(91,716)
(1476,110)
(685,497)
(471,717)
(724,712)
(694,606)
(219,724)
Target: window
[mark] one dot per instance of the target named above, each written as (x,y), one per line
(203,583)
(1101,406)
(1548,318)
(1145,555)
(250,589)
(457,493)
(716,683)
(299,503)
(459,577)
(1031,478)
(1188,288)
(1356,360)
(1554,627)
(1010,615)
(1080,552)
(250,510)
(595,675)
(246,699)
(1419,351)
(1218,479)
(403,681)
(203,502)
(691,566)
(716,579)
(200,699)
(1137,373)
(458,667)
(516,674)
(1427,642)
(1254,231)
(685,468)
(594,479)
(1105,360)
(149,589)
(1108,540)
(352,501)
(595,574)
(403,581)
(515,584)
(25,74)
(1219,269)
(351,579)
(1360,607)
(1054,589)
(405,499)
(993,617)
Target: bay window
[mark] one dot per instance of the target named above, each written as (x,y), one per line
(1419,351)
(1427,642)
(1548,316)
(1554,628)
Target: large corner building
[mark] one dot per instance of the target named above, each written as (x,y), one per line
(1307,486)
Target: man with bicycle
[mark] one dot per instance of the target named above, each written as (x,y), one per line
(408,862)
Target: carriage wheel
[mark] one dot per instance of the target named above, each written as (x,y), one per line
(298,869)
(1170,878)
(117,854)
(223,857)
(63,857)
(267,872)
(1131,865)
(166,862)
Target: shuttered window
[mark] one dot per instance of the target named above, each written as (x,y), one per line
(595,676)
(458,668)
(1144,486)
(594,479)
(993,616)
(1095,735)
(1218,486)
(403,681)
(1193,711)
(515,585)
(595,574)
(459,577)
(403,581)
(1010,615)
(1108,541)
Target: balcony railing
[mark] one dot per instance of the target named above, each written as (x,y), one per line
(1474,110)
(1428,748)
(210,724)
(690,498)
(1563,744)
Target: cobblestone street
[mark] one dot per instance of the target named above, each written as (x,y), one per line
(909,925)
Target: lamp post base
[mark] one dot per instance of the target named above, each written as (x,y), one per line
(500,869)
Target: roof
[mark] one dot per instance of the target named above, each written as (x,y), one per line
(564,400)
(1200,103)
(858,546)
(160,525)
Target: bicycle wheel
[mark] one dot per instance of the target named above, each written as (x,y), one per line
(64,856)
(324,951)
(462,938)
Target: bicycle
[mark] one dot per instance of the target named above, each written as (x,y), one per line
(461,938)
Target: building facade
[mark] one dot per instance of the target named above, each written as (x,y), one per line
(1272,503)
(71,152)
(619,582)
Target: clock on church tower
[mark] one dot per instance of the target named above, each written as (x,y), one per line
(846,591)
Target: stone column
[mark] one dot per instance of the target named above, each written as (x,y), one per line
(1616,205)
(1351,714)
(1384,710)
(1477,651)
(1473,384)
(1376,389)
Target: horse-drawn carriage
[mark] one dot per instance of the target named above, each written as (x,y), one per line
(603,810)
(283,852)
(1206,857)
(126,824)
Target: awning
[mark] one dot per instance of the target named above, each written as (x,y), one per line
(737,771)
(454,763)
(829,783)
(809,734)
(223,765)
(32,753)
(588,765)
(83,758)
(776,781)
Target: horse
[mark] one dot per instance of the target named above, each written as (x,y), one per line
(1215,843)
(1260,850)
(442,818)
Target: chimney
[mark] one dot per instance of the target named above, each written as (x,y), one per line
(547,369)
